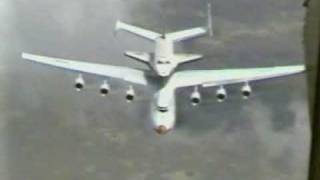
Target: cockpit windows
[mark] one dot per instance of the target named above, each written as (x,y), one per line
(163,62)
(163,109)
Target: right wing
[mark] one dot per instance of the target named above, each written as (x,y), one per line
(208,78)
(127,74)
(137,31)
(186,34)
(183,58)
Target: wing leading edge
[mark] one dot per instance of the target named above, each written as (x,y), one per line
(126,74)
(208,78)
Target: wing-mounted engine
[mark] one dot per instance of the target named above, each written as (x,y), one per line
(104,88)
(130,94)
(79,83)
(221,94)
(246,91)
(195,97)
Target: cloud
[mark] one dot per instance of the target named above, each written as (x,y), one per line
(51,122)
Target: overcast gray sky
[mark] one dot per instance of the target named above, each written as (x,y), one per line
(48,131)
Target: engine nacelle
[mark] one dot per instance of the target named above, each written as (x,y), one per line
(246,91)
(221,94)
(130,94)
(79,83)
(195,97)
(104,88)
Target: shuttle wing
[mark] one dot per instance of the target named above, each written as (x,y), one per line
(141,56)
(137,31)
(186,34)
(127,74)
(208,78)
(183,58)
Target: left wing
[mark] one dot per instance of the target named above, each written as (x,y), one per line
(208,78)
(127,74)
(186,34)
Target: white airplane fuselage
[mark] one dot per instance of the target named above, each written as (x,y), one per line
(163,62)
(163,107)
(163,110)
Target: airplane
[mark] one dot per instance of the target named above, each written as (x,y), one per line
(164,60)
(163,106)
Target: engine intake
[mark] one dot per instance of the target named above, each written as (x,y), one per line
(79,83)
(221,94)
(104,88)
(195,97)
(130,94)
(246,91)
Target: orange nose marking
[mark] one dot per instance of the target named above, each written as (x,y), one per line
(161,130)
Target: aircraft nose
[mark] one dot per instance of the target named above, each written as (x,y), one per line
(161,130)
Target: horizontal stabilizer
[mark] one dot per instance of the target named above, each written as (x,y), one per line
(140,56)
(183,58)
(186,34)
(144,33)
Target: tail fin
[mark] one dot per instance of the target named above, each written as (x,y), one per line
(137,31)
(210,30)
(183,58)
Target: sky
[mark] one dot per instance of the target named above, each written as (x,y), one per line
(49,131)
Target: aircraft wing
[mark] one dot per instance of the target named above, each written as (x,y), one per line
(186,34)
(137,31)
(183,58)
(127,74)
(208,78)
(141,56)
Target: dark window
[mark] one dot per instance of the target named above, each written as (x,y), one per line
(163,109)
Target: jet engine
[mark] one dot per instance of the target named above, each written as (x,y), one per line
(195,97)
(246,91)
(221,94)
(130,94)
(104,88)
(79,83)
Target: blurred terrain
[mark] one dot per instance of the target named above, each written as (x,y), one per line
(48,131)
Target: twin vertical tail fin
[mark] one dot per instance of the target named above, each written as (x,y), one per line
(209,16)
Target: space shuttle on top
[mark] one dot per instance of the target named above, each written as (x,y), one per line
(164,60)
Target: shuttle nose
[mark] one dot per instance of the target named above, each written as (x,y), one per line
(161,130)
